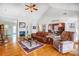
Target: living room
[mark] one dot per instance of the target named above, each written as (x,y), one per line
(32,29)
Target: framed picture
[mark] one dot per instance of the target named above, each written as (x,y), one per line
(72,25)
(34,27)
(22,24)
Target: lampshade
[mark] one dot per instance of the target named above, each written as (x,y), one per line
(60,25)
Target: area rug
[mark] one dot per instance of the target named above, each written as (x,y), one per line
(25,45)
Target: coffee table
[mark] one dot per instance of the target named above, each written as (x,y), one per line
(30,41)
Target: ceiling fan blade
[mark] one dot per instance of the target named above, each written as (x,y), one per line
(33,5)
(35,9)
(26,8)
(27,5)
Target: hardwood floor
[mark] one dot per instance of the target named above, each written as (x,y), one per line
(13,49)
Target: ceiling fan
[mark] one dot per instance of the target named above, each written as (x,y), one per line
(31,7)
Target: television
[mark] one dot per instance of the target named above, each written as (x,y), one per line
(22,33)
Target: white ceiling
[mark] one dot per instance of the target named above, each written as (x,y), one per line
(66,6)
(17,11)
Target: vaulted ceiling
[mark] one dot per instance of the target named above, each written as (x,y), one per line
(16,11)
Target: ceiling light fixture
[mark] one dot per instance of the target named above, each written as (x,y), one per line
(31,7)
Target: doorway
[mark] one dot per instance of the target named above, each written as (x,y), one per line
(14,34)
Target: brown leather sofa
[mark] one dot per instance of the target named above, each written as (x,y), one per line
(41,36)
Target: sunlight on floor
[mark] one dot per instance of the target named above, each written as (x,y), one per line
(14,38)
